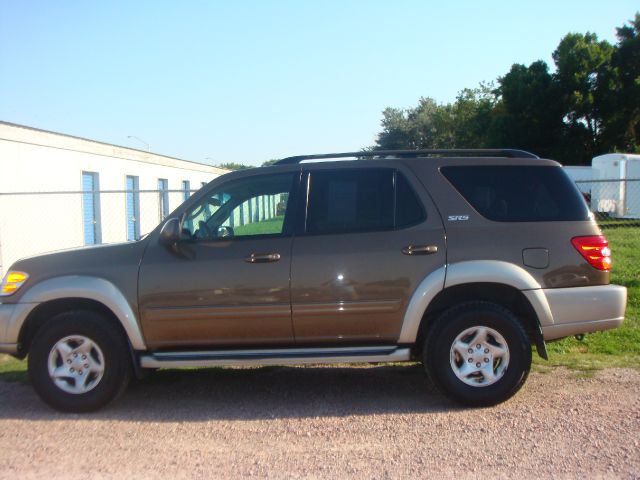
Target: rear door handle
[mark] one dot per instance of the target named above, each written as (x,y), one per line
(262,258)
(420,249)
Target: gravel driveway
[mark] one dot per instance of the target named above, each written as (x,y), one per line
(328,422)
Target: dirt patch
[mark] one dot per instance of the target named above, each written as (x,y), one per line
(329,422)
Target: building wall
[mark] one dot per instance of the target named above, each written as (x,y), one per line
(37,161)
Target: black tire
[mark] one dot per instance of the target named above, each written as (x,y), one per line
(116,360)
(437,353)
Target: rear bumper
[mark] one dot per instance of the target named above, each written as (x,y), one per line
(583,310)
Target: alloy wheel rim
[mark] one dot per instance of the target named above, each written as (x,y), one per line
(76,364)
(479,356)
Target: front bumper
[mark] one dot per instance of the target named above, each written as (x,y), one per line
(583,310)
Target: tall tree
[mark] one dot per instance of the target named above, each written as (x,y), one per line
(529,113)
(581,61)
(619,91)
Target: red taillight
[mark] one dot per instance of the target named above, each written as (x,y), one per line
(595,250)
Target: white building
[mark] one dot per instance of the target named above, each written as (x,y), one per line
(111,193)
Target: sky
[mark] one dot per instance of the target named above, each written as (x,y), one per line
(249,80)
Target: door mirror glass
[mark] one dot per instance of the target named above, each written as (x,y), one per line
(225,232)
(170,233)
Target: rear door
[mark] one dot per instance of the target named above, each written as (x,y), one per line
(351,281)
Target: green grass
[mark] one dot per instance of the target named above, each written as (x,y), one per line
(607,222)
(273,225)
(613,348)
(12,369)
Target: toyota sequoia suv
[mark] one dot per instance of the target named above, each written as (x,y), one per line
(461,259)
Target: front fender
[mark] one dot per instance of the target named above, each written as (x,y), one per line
(78,286)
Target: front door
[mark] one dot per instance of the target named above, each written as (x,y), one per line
(350,280)
(227,283)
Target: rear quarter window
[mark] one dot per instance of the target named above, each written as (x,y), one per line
(514,193)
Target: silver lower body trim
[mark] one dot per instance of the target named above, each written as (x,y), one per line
(10,348)
(290,356)
(553,332)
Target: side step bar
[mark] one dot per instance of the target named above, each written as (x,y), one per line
(289,356)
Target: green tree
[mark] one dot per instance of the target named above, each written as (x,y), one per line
(430,125)
(581,61)
(528,113)
(395,134)
(473,115)
(233,166)
(588,106)
(619,91)
(270,162)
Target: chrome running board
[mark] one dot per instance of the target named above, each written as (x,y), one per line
(281,356)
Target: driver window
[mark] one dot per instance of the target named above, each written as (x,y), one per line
(246,207)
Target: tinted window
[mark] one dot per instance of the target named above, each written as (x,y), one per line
(350,201)
(409,210)
(519,193)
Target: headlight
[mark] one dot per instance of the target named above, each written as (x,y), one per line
(12,282)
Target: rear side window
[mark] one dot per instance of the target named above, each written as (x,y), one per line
(519,193)
(350,201)
(362,200)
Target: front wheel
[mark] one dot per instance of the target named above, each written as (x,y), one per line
(79,362)
(477,353)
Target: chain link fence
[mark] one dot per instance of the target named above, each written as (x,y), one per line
(614,203)
(36,222)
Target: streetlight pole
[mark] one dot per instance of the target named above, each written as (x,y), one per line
(141,141)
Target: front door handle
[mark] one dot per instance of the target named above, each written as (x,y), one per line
(262,257)
(420,249)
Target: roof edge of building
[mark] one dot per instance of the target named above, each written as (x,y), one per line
(135,154)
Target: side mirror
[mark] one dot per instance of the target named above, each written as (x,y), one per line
(170,233)
(225,232)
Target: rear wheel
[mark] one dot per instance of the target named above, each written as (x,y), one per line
(478,354)
(79,362)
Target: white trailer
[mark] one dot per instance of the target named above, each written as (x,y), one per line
(616,187)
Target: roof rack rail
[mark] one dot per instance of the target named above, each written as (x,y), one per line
(484,152)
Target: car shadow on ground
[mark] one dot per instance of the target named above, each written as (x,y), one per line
(252,394)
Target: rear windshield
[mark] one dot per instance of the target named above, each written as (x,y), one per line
(519,193)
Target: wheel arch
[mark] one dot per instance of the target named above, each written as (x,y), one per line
(498,282)
(498,293)
(61,294)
